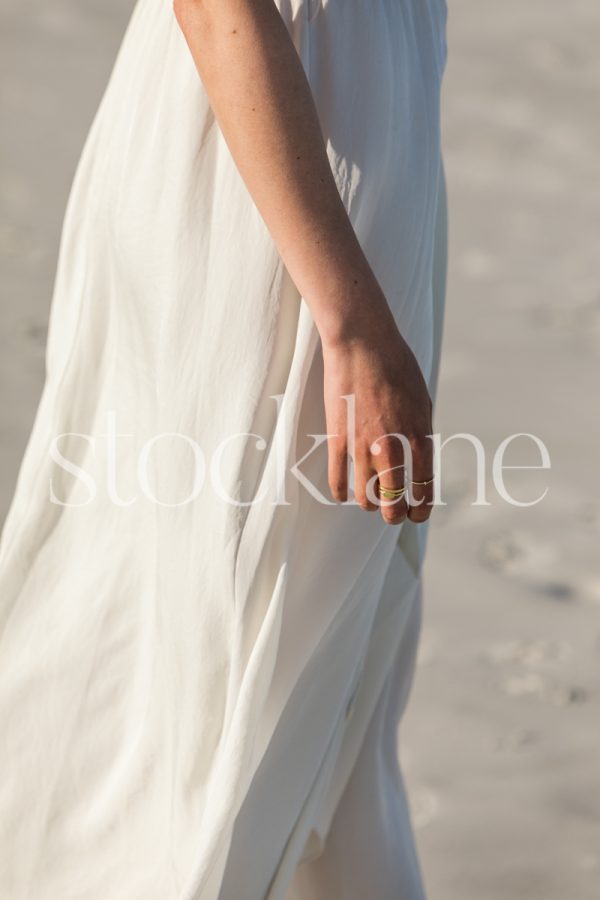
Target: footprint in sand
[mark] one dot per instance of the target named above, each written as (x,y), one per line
(566,694)
(560,591)
(533,684)
(530,652)
(501,552)
(524,556)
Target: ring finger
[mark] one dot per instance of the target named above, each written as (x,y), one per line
(392,494)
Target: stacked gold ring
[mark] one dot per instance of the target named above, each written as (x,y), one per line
(391,493)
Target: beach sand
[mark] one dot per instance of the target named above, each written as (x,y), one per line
(501,740)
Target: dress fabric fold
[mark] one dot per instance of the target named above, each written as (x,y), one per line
(199,698)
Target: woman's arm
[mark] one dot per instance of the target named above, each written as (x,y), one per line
(262,100)
(263,103)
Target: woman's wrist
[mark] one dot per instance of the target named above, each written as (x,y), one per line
(355,312)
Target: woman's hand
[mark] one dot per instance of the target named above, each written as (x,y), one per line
(375,365)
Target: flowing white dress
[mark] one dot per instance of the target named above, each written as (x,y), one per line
(199,700)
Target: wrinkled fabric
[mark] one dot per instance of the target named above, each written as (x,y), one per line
(192,691)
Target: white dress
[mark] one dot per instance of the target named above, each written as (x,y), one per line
(199,700)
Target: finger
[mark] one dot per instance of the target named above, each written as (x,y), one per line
(337,468)
(421,505)
(394,510)
(364,480)
(420,489)
(391,475)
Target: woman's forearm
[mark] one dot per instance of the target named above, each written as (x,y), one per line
(264,106)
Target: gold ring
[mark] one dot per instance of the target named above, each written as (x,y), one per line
(391,493)
(424,482)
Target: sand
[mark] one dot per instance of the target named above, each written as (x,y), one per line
(501,740)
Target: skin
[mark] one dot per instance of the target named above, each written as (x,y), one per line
(263,103)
